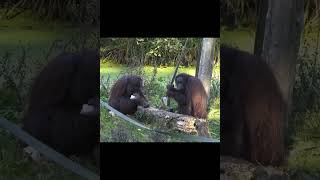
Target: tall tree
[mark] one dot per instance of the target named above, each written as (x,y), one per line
(205,63)
(278,35)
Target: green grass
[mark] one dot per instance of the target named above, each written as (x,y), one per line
(114,69)
(14,164)
(154,91)
(305,156)
(115,129)
(243,39)
(38,36)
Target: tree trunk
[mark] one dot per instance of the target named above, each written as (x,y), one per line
(278,35)
(278,38)
(198,58)
(205,65)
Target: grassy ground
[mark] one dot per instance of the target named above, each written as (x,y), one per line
(242,39)
(154,90)
(36,37)
(305,155)
(303,163)
(26,30)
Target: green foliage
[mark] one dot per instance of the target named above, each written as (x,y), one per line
(306,94)
(304,157)
(309,125)
(168,47)
(240,12)
(215,89)
(154,89)
(13,73)
(303,171)
(149,51)
(236,13)
(9,104)
(80,11)
(105,86)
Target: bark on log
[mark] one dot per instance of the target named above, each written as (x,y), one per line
(172,122)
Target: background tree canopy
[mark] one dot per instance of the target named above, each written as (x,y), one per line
(236,13)
(78,11)
(151,51)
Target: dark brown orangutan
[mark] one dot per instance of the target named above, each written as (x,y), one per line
(252,109)
(63,110)
(127,94)
(190,95)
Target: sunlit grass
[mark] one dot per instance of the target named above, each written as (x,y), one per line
(243,39)
(35,35)
(115,69)
(214,111)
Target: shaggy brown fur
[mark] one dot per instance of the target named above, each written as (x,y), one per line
(122,91)
(252,109)
(53,116)
(190,96)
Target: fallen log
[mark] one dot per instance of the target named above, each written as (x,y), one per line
(238,169)
(172,122)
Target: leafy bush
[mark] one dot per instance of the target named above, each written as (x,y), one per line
(149,51)
(309,125)
(306,94)
(80,11)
